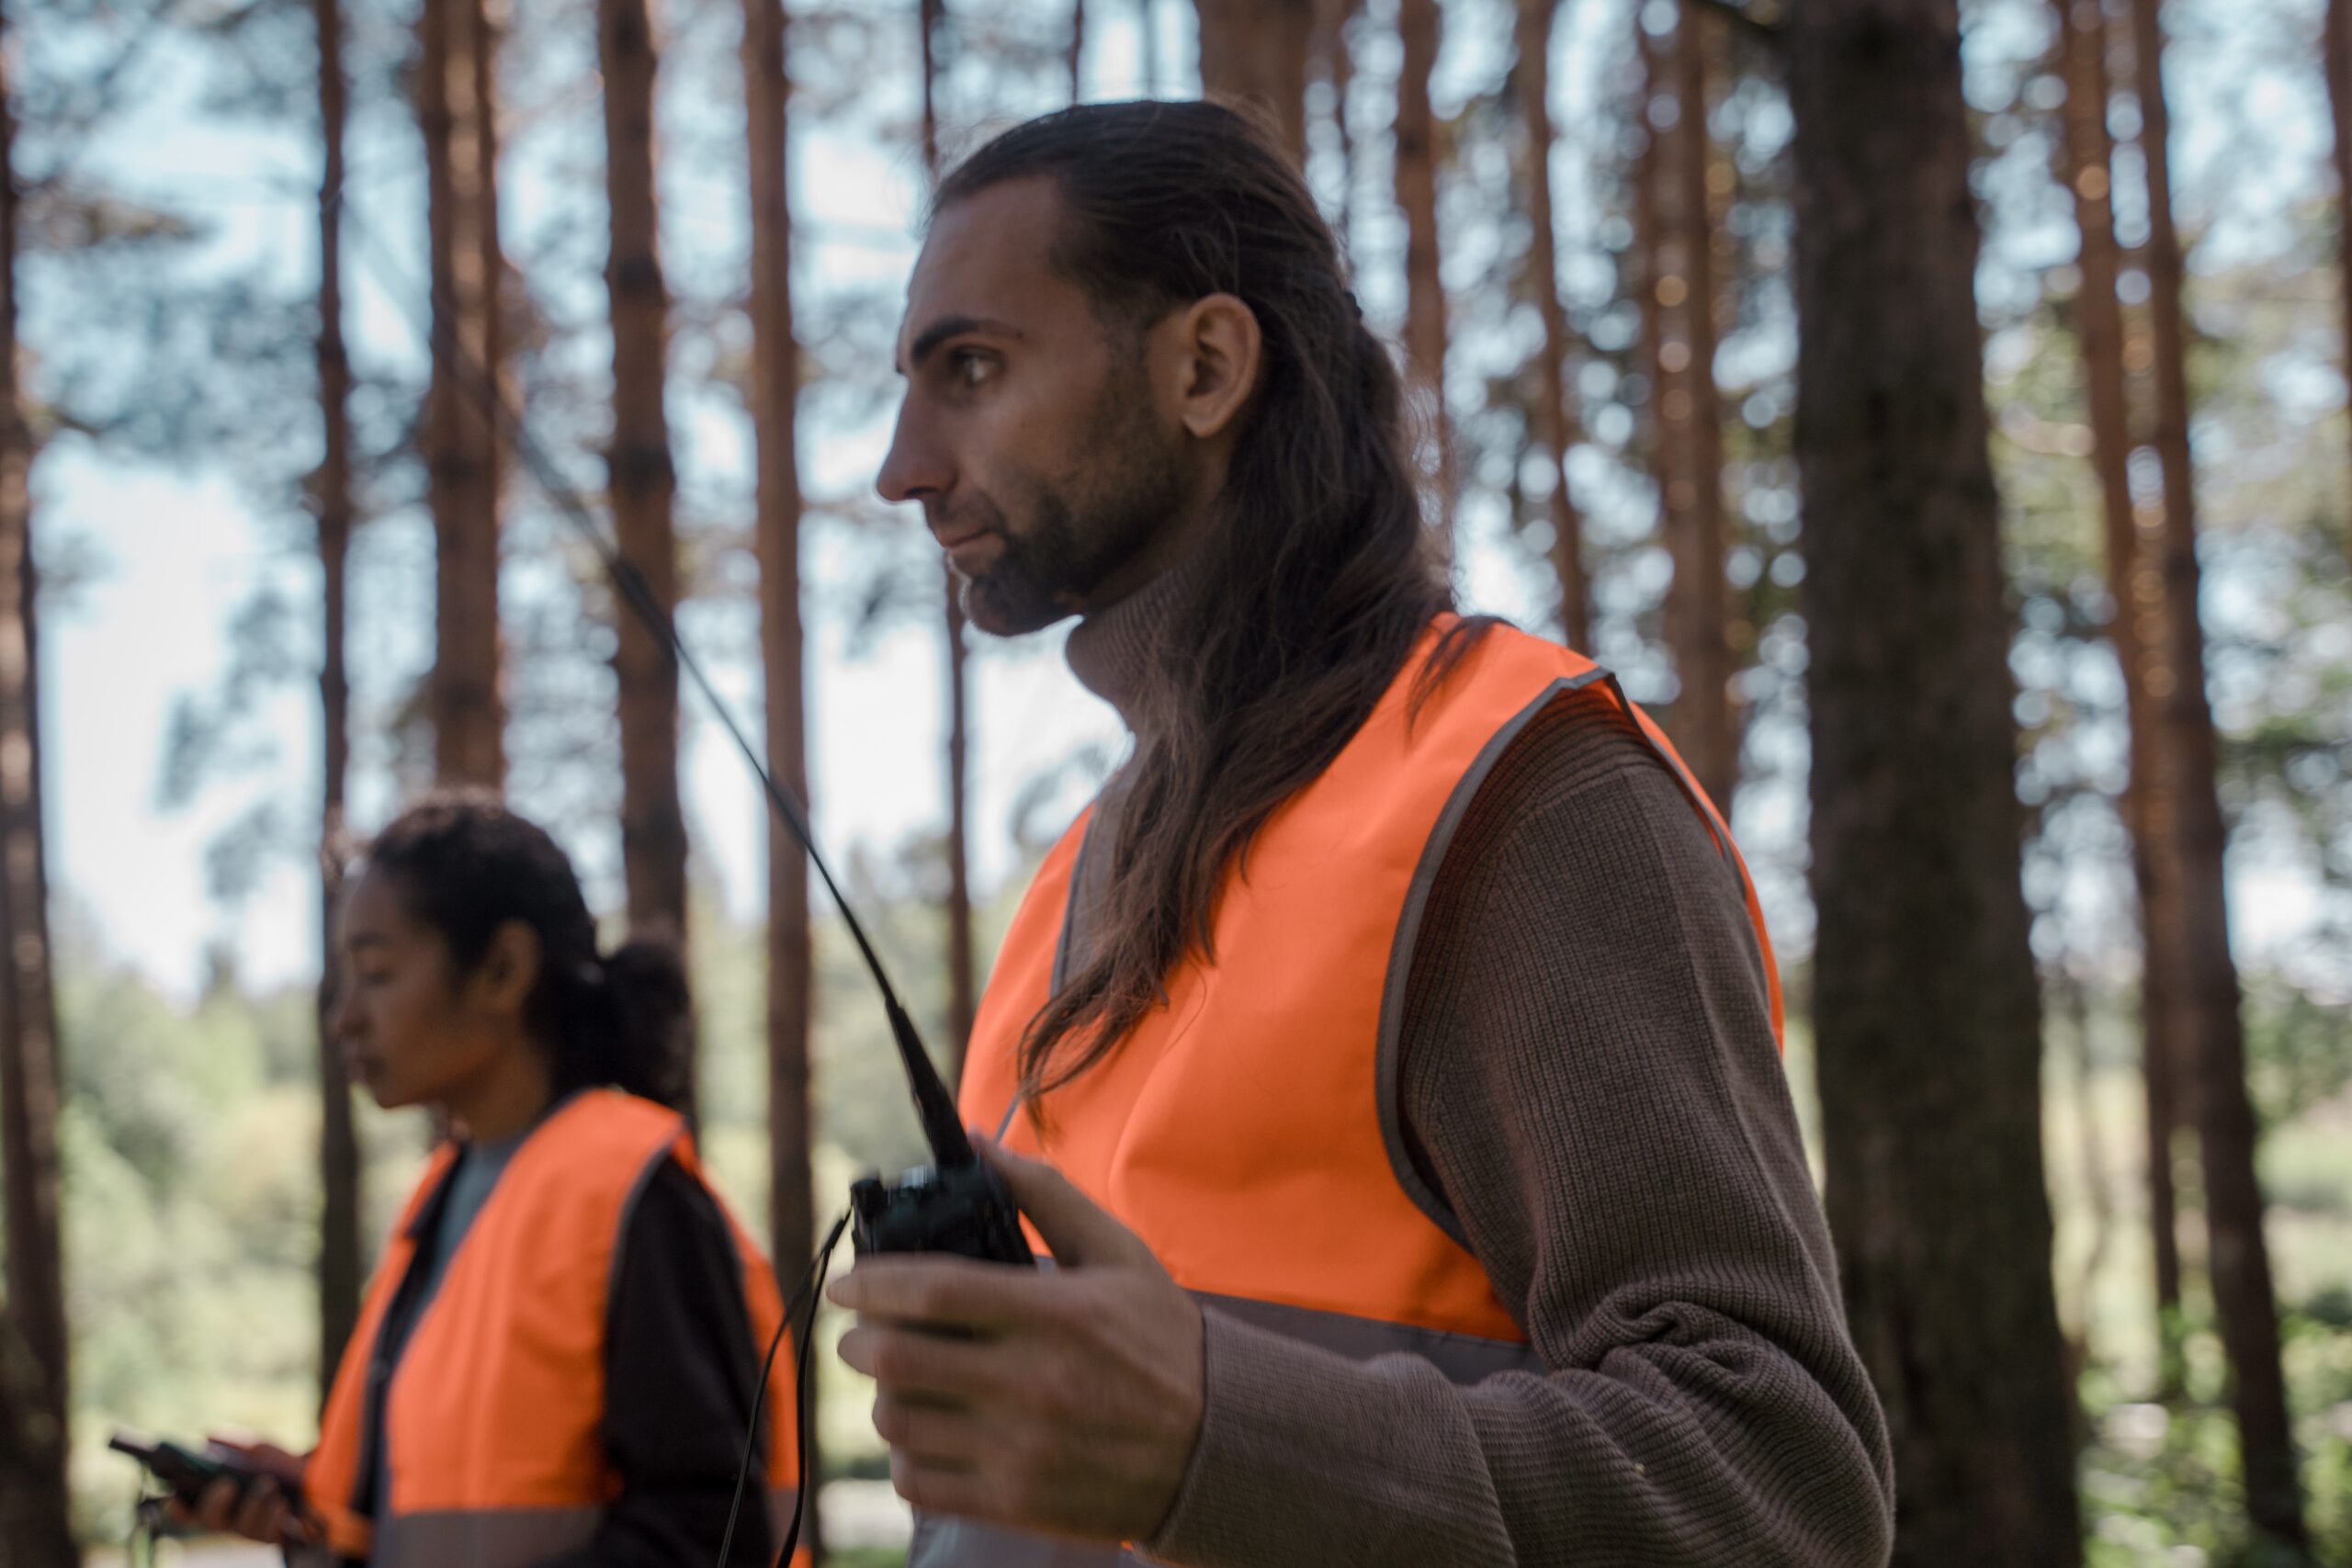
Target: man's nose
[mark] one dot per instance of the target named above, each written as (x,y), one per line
(916,464)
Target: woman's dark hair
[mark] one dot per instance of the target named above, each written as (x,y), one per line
(465,865)
(1318,577)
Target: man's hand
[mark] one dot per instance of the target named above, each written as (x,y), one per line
(1065,1401)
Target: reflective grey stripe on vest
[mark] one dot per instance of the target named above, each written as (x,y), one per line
(941,1542)
(501,1538)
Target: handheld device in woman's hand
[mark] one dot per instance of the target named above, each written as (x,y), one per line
(195,1479)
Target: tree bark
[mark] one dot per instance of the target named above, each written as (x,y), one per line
(775,393)
(1926,1007)
(2212,1031)
(339,1264)
(2335,46)
(1076,49)
(1417,26)
(1661,432)
(962,983)
(34,1433)
(457,109)
(1555,427)
(2138,592)
(1333,18)
(1698,600)
(1255,51)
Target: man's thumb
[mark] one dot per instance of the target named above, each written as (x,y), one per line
(1078,1233)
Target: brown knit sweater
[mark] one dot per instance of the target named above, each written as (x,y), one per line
(1589,1079)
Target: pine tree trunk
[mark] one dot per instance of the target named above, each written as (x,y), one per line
(2138,592)
(2213,1032)
(32,1497)
(962,984)
(1697,601)
(1256,51)
(1333,20)
(2335,45)
(1076,49)
(1927,1005)
(1556,429)
(457,109)
(33,1337)
(1660,434)
(1418,27)
(775,385)
(339,1265)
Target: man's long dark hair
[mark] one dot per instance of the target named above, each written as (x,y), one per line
(1319,577)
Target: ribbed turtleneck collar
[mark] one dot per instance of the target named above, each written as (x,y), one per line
(1121,652)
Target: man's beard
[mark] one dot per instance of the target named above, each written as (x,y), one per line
(1076,533)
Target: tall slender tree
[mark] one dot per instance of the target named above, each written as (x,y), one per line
(1555,425)
(1335,21)
(1651,284)
(1697,606)
(1925,1009)
(339,1263)
(2212,1031)
(774,395)
(1257,50)
(1417,26)
(457,109)
(2138,592)
(1076,49)
(963,982)
(33,1339)
(643,480)
(2336,52)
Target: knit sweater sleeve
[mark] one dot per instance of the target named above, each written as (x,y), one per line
(1589,1082)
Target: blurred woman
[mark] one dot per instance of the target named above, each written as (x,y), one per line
(556,1359)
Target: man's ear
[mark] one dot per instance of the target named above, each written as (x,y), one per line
(509,967)
(1219,346)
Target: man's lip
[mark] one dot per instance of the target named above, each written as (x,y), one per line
(950,541)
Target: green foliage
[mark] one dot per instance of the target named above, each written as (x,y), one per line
(2161,1484)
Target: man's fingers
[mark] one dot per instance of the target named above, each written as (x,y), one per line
(933,1434)
(948,1294)
(1077,1230)
(907,1360)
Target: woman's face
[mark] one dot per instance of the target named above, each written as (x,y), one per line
(417,1032)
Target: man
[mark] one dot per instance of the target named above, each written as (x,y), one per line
(1388,1058)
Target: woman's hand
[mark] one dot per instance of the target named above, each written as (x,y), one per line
(266,1508)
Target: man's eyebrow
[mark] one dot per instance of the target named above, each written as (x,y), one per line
(939,331)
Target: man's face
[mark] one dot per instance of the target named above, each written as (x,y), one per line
(1030,433)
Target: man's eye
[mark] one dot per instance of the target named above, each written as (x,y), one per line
(969,367)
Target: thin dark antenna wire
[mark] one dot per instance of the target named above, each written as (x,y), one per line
(942,1127)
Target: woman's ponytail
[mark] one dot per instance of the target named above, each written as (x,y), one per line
(641,1017)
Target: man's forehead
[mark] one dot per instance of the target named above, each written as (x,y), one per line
(990,257)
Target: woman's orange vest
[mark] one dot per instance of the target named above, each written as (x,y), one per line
(492,1415)
(1248,1129)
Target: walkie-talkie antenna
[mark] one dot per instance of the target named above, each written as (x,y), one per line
(934,1105)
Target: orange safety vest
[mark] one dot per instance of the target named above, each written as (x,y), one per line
(492,1415)
(1248,1129)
